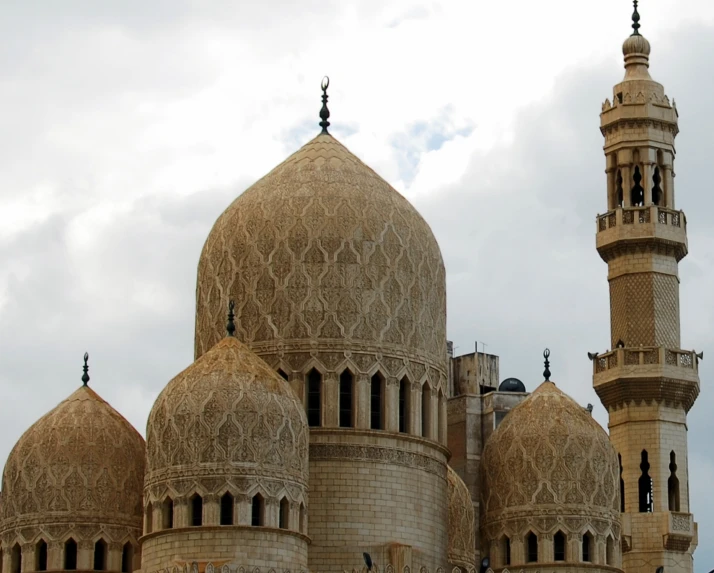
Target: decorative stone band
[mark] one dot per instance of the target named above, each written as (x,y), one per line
(520,522)
(654,228)
(612,127)
(30,531)
(207,529)
(220,567)
(398,449)
(668,375)
(186,480)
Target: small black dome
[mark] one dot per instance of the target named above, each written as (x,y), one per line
(512,385)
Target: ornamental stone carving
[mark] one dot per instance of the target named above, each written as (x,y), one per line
(326,261)
(548,466)
(227,419)
(462,536)
(81,466)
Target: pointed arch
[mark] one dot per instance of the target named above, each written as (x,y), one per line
(196,507)
(637,193)
(405,387)
(346,399)
(41,555)
(657,194)
(505,550)
(148,518)
(588,547)
(610,551)
(16,559)
(426,410)
(560,546)
(314,398)
(531,548)
(167,514)
(127,558)
(619,193)
(100,555)
(257,513)
(227,505)
(303,519)
(70,554)
(376,401)
(284,517)
(622,486)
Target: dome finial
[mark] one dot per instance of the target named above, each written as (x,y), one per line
(324,112)
(231,326)
(546,372)
(85,368)
(635,20)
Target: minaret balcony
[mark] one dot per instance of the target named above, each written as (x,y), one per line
(678,530)
(625,227)
(646,373)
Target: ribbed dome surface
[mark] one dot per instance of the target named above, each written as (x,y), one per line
(81,462)
(323,256)
(462,536)
(225,416)
(550,454)
(636,44)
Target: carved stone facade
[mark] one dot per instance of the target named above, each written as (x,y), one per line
(76,474)
(550,469)
(462,537)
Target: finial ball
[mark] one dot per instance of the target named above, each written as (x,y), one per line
(325,83)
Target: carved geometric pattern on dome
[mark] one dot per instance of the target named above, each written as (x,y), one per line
(227,417)
(81,462)
(323,255)
(548,464)
(644,310)
(462,535)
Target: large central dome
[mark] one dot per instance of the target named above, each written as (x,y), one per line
(326,261)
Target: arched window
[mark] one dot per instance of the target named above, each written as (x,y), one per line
(622,486)
(100,555)
(637,195)
(657,194)
(41,555)
(148,518)
(303,519)
(404,403)
(588,547)
(645,485)
(426,410)
(226,509)
(610,551)
(127,558)
(505,550)
(196,510)
(559,546)
(314,392)
(673,483)
(70,554)
(16,558)
(284,519)
(532,548)
(376,401)
(618,188)
(257,515)
(282,374)
(441,426)
(346,380)
(167,514)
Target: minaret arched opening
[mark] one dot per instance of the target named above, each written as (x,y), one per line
(41,555)
(196,506)
(532,548)
(404,404)
(314,398)
(622,486)
(559,545)
(645,485)
(127,558)
(346,399)
(70,554)
(100,555)
(376,402)
(227,501)
(637,193)
(673,483)
(620,195)
(16,559)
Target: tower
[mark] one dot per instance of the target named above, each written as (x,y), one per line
(646,382)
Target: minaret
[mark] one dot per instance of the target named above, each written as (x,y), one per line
(647,382)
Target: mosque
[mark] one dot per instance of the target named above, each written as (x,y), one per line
(326,426)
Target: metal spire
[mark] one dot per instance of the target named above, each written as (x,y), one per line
(231,326)
(85,368)
(635,20)
(324,112)
(546,372)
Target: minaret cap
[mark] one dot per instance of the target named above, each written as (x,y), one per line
(85,369)
(546,372)
(636,44)
(324,112)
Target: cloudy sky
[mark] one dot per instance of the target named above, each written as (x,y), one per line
(128,126)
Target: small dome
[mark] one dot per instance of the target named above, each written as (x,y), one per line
(636,44)
(512,385)
(462,536)
(80,462)
(549,453)
(225,415)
